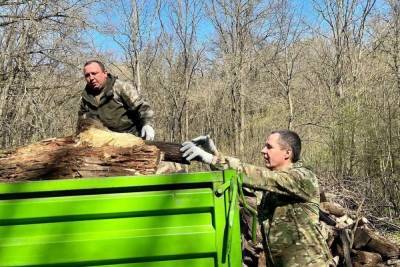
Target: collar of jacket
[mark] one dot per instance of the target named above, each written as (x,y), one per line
(297,164)
(107,92)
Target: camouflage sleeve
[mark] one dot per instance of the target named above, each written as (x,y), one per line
(82,116)
(294,182)
(83,110)
(132,98)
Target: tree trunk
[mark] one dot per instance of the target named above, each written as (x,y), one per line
(63,158)
(94,153)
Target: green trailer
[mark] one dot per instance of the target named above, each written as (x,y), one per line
(159,220)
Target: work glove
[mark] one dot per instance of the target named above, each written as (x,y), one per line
(147,132)
(206,143)
(191,151)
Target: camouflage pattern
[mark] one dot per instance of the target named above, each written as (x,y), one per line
(119,107)
(288,212)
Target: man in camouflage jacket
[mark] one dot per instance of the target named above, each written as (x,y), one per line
(117,104)
(289,209)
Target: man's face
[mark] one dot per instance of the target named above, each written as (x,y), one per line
(276,157)
(94,76)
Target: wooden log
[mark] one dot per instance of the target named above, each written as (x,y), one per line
(344,222)
(326,196)
(170,151)
(366,238)
(333,208)
(361,238)
(329,233)
(95,152)
(63,158)
(327,218)
(363,221)
(337,251)
(365,257)
(345,240)
(92,132)
(394,262)
(96,137)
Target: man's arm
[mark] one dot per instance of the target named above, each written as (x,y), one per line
(294,182)
(83,115)
(135,102)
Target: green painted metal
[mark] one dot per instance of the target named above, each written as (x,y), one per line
(160,220)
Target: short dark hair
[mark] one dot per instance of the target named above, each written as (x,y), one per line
(291,140)
(102,67)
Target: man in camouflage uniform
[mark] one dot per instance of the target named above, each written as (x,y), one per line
(117,104)
(289,210)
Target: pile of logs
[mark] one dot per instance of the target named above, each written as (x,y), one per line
(353,240)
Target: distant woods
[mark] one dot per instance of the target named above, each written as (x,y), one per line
(236,70)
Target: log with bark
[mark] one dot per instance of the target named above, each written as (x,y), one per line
(93,153)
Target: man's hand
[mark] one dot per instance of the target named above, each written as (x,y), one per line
(206,143)
(147,132)
(191,151)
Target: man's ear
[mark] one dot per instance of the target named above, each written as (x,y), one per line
(288,154)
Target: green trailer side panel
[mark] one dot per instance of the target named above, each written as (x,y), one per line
(172,220)
(138,225)
(200,262)
(110,183)
(235,253)
(89,206)
(108,247)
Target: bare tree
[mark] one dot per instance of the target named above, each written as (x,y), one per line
(340,69)
(387,44)
(38,41)
(133,26)
(346,21)
(288,47)
(241,27)
(183,55)
(388,40)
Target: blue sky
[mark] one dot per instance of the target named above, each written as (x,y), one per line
(106,44)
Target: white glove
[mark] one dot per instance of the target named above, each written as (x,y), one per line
(206,143)
(147,132)
(191,151)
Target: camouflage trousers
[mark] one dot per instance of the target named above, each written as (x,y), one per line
(296,256)
(256,252)
(293,250)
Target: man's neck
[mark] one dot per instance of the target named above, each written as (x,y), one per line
(284,167)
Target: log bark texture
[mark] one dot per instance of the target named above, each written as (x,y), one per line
(94,152)
(365,237)
(64,158)
(365,257)
(170,151)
